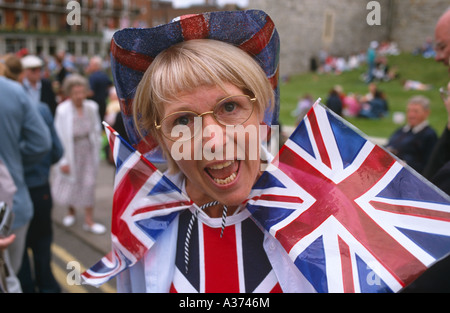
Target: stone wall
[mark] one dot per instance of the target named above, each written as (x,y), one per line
(341,28)
(415,21)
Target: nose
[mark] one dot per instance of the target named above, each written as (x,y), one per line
(214,138)
(211,128)
(208,118)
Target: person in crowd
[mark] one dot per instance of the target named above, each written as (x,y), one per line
(39,89)
(351,104)
(414,142)
(442,39)
(25,141)
(334,102)
(12,67)
(62,71)
(5,272)
(371,60)
(438,167)
(217,79)
(77,125)
(304,104)
(7,191)
(39,234)
(372,88)
(59,72)
(99,83)
(442,176)
(375,108)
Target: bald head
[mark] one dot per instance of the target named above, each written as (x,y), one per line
(442,38)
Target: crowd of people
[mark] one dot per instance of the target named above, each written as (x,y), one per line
(413,142)
(373,105)
(51,126)
(375,59)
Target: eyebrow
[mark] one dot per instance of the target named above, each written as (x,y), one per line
(187,107)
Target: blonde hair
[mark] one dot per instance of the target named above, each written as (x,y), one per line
(191,64)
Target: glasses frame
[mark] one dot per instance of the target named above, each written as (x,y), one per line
(251,99)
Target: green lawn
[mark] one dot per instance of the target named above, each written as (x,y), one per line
(409,67)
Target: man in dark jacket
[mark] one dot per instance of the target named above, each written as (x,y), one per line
(436,279)
(99,83)
(438,168)
(414,142)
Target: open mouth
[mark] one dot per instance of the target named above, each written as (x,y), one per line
(223,173)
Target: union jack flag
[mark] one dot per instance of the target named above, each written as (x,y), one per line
(351,217)
(144,203)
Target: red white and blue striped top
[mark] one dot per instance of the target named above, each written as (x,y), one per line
(234,263)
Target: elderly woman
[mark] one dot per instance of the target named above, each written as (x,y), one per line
(198,94)
(77,124)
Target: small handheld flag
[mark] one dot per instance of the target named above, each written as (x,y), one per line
(144,204)
(351,217)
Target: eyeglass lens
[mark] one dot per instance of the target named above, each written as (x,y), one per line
(232,111)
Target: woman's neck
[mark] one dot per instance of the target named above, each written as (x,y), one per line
(216,211)
(78,106)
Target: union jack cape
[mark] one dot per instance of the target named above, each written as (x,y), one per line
(351,217)
(144,203)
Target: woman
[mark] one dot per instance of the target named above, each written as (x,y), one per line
(216,248)
(78,127)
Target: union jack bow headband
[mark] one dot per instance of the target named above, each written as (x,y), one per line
(134,49)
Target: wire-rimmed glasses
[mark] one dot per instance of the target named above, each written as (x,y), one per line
(230,111)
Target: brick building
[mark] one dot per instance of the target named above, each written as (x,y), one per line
(42,27)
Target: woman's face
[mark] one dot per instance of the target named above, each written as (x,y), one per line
(78,94)
(220,164)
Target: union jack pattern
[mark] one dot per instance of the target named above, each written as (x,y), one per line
(144,203)
(351,217)
(233,263)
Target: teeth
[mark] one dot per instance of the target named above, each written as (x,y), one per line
(225,181)
(221,166)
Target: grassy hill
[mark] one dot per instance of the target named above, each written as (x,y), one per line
(409,67)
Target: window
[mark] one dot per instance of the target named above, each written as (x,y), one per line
(328,30)
(71,47)
(35,21)
(2,19)
(18,20)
